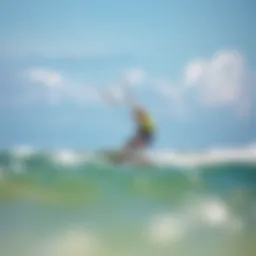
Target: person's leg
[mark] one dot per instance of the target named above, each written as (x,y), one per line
(135,143)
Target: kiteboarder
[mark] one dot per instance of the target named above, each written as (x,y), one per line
(145,129)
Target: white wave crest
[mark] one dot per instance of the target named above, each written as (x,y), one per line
(167,157)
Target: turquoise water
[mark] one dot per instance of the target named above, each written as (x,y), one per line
(87,208)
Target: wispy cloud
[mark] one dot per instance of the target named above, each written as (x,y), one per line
(50,81)
(122,91)
(58,87)
(135,76)
(44,76)
(172,95)
(224,80)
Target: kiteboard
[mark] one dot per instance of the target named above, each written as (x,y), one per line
(120,157)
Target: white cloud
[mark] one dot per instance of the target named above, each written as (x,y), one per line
(222,80)
(50,82)
(194,72)
(46,77)
(219,80)
(123,92)
(57,88)
(135,76)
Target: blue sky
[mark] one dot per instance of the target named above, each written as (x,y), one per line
(193,64)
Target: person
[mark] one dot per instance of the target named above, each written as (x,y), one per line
(145,131)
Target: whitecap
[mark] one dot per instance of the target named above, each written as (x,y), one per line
(166,229)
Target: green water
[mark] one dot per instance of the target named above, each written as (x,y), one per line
(88,209)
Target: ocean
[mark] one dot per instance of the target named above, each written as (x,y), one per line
(69,203)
